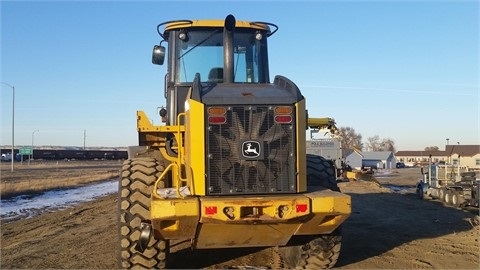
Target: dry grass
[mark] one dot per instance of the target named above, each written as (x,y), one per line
(40,176)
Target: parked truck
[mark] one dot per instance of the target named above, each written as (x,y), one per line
(228,167)
(452,184)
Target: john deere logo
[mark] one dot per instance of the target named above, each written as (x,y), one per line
(251,149)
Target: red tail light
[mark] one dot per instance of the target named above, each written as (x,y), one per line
(210,210)
(217,120)
(301,208)
(283,119)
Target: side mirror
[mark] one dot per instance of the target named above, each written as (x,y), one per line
(158,55)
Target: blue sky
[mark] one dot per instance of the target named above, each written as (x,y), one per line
(405,70)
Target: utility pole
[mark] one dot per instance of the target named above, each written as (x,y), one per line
(84,138)
(31,154)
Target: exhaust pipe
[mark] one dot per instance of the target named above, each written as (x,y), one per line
(228,29)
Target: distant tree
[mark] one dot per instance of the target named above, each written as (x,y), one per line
(431,148)
(388,145)
(376,144)
(350,138)
(373,143)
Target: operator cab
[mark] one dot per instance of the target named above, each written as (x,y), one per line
(218,51)
(198,47)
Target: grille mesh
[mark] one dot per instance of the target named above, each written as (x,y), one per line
(233,166)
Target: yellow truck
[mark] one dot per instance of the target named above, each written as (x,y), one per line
(228,165)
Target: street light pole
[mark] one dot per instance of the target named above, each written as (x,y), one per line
(13,121)
(450,156)
(31,154)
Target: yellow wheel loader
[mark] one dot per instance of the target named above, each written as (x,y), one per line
(228,166)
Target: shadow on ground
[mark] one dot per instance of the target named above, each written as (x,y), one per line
(382,221)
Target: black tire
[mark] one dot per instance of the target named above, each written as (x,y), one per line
(324,251)
(135,187)
(321,252)
(320,172)
(455,199)
(419,192)
(317,251)
(441,194)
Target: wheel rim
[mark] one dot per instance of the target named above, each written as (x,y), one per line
(447,198)
(454,199)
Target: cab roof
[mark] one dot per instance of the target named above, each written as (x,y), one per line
(173,25)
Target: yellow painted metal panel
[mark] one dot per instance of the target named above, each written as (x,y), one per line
(268,209)
(301,146)
(326,210)
(328,201)
(243,235)
(195,146)
(173,207)
(213,23)
(329,209)
(144,125)
(322,123)
(174,218)
(249,221)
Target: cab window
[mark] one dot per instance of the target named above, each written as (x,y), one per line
(201,51)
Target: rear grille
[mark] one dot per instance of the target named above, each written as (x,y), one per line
(250,153)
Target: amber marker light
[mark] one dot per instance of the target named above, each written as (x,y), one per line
(283,110)
(217,111)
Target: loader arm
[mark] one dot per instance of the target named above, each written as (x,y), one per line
(323,123)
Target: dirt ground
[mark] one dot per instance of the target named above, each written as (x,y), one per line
(389,228)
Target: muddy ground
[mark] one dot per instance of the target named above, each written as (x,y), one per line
(389,228)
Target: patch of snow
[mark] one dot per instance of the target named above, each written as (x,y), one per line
(25,206)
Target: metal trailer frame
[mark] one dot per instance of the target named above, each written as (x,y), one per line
(454,185)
